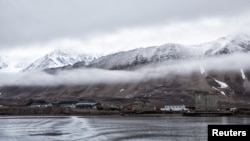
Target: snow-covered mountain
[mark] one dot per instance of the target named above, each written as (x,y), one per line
(3,63)
(130,59)
(9,65)
(232,86)
(133,58)
(59,58)
(227,45)
(6,65)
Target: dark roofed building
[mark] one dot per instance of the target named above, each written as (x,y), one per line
(39,104)
(89,105)
(67,104)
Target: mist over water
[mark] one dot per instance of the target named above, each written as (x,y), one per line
(234,62)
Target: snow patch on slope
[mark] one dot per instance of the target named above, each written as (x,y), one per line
(243,74)
(202,70)
(222,84)
(223,93)
(121,90)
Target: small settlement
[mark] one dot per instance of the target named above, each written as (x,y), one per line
(204,105)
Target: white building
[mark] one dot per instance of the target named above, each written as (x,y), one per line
(40,104)
(175,108)
(68,106)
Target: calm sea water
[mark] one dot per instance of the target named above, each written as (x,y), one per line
(110,128)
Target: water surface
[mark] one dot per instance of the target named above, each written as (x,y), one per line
(110,128)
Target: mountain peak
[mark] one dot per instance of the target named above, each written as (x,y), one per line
(59,58)
(238,42)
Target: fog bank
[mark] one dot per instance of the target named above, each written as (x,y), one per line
(235,62)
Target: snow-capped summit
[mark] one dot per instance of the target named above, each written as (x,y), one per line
(59,58)
(226,45)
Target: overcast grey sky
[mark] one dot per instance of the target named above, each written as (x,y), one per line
(113,25)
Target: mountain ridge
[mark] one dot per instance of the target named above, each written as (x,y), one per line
(239,43)
(137,57)
(59,58)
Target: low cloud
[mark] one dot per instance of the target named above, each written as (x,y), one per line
(234,62)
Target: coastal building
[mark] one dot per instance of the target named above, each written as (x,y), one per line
(114,108)
(88,105)
(40,104)
(206,102)
(67,104)
(175,108)
(206,105)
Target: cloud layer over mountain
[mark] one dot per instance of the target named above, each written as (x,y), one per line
(234,62)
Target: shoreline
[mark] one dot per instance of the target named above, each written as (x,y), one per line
(64,112)
(113,115)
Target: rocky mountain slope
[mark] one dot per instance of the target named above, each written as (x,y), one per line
(233,89)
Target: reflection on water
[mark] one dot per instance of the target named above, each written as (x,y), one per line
(105,128)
